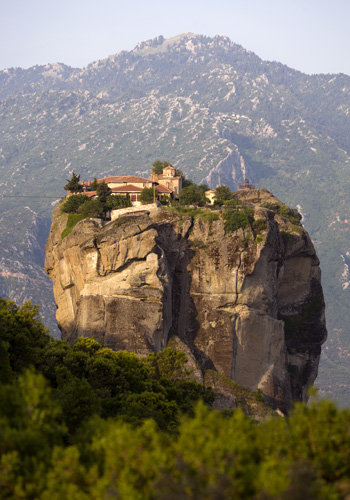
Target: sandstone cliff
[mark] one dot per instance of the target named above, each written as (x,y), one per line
(246,304)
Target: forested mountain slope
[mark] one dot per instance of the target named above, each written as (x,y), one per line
(211,108)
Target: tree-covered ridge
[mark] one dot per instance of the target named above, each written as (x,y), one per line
(65,433)
(88,379)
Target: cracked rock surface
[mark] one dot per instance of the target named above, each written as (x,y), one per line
(249,307)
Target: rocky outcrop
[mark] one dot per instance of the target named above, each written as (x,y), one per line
(246,304)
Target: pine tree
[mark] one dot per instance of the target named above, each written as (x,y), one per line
(73,185)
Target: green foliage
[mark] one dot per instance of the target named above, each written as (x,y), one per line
(213,456)
(147,195)
(184,210)
(76,396)
(81,204)
(274,206)
(192,195)
(91,208)
(197,213)
(259,396)
(22,338)
(72,221)
(165,201)
(247,238)
(93,186)
(203,187)
(72,204)
(259,225)
(168,363)
(31,426)
(208,217)
(116,201)
(55,443)
(73,185)
(103,191)
(222,194)
(157,166)
(187,182)
(237,219)
(289,213)
(90,380)
(232,203)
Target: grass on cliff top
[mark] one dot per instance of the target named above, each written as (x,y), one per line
(72,220)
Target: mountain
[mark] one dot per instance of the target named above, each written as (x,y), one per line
(214,110)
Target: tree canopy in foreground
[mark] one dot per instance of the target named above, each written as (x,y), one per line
(85,422)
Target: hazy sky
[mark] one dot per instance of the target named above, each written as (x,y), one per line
(310,35)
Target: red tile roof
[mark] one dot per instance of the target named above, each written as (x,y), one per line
(163,189)
(128,188)
(124,178)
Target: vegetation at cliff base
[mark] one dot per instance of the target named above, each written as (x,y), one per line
(88,379)
(86,422)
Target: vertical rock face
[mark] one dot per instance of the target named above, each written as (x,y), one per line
(247,304)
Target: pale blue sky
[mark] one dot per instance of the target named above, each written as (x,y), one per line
(310,35)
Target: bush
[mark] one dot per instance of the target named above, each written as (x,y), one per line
(235,219)
(164,201)
(233,202)
(222,193)
(193,195)
(115,201)
(147,195)
(290,213)
(91,208)
(259,225)
(72,204)
(271,206)
(208,217)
